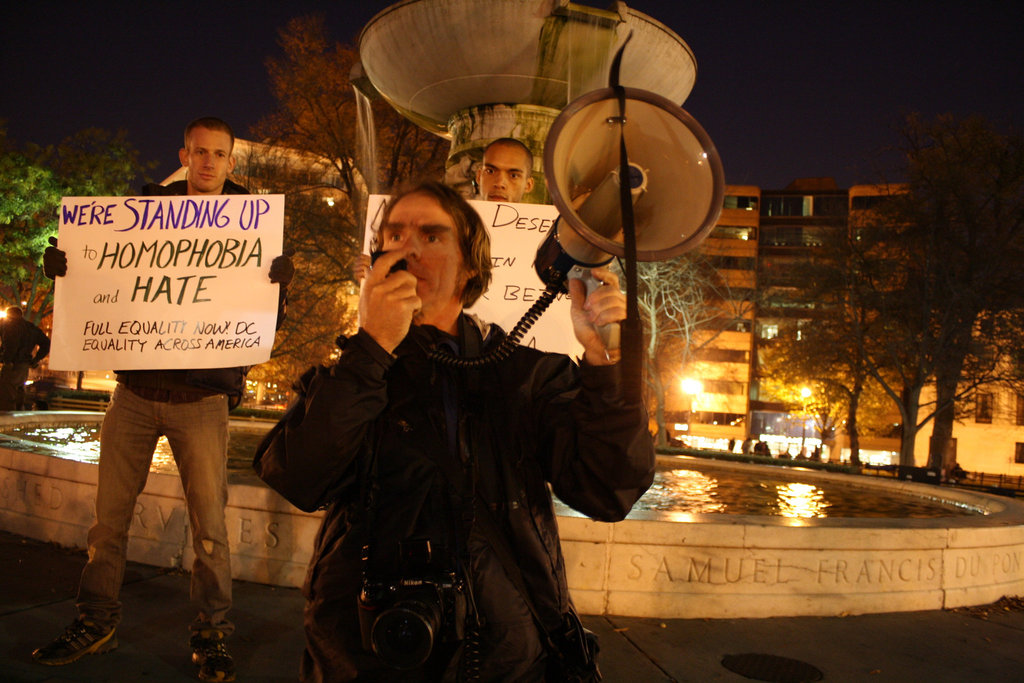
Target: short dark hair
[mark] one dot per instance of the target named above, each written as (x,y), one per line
(210,123)
(14,312)
(512,142)
(474,242)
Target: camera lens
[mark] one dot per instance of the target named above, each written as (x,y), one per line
(403,636)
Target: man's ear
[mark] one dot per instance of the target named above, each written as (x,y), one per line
(231,163)
(183,156)
(529,183)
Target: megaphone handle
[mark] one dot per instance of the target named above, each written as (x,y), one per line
(610,333)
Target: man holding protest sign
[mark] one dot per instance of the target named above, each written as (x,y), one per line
(505,174)
(190,408)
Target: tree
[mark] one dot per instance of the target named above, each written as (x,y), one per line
(938,258)
(827,349)
(91,162)
(685,304)
(309,150)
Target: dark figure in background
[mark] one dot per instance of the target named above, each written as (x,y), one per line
(22,346)
(435,478)
(190,408)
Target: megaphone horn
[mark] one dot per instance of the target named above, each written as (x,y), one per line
(675,181)
(676,178)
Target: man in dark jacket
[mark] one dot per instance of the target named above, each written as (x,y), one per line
(190,408)
(22,346)
(435,477)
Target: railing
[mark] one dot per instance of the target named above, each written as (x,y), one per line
(1004,484)
(70,403)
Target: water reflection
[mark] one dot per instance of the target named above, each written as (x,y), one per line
(680,491)
(81,442)
(801,500)
(694,490)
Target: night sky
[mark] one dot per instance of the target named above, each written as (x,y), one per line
(785,89)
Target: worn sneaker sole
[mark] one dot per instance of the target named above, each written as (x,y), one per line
(105,644)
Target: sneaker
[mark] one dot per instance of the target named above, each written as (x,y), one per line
(210,654)
(79,639)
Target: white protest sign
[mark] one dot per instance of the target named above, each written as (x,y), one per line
(178,282)
(516,230)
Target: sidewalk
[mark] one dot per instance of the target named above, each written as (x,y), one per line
(39,581)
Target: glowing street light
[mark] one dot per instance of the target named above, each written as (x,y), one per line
(690,387)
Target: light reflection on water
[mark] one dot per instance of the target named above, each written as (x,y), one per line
(681,490)
(81,442)
(692,490)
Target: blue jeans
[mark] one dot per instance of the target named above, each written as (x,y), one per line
(198,436)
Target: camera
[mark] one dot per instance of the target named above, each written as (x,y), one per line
(401,619)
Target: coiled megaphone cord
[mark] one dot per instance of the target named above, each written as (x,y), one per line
(504,349)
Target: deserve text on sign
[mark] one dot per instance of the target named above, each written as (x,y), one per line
(516,230)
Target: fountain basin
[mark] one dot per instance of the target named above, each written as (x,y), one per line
(433,58)
(653,564)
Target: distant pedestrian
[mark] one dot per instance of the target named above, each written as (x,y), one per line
(22,346)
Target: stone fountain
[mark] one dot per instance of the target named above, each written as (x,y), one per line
(653,564)
(475,71)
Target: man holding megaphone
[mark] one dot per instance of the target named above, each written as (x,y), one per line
(439,556)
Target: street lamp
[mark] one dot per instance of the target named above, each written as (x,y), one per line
(690,387)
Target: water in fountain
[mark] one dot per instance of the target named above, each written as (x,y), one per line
(691,488)
(366,146)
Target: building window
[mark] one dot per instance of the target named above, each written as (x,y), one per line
(713,355)
(769,331)
(983,408)
(733,201)
(1018,456)
(831,205)
(734,232)
(1020,410)
(786,205)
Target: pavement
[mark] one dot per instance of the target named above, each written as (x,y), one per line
(38,582)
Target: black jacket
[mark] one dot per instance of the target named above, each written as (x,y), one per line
(374,439)
(19,338)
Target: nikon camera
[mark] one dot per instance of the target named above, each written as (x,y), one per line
(401,619)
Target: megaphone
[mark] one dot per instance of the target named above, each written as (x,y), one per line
(674,176)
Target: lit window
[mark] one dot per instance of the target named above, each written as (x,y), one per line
(983,408)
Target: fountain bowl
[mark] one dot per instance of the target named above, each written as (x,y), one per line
(653,564)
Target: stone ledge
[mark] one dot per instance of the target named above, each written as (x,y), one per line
(651,565)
